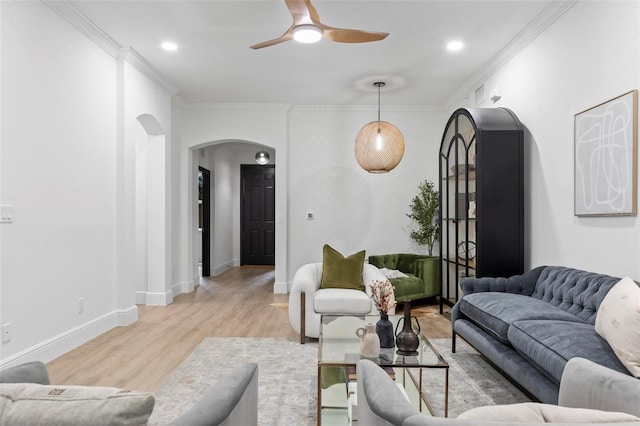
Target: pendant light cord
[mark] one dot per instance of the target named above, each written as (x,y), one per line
(379,84)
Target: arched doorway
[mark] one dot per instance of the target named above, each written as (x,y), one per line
(224,160)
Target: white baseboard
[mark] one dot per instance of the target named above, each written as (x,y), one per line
(281,288)
(51,349)
(182,288)
(222,268)
(159,299)
(126,317)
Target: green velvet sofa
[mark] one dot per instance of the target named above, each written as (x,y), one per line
(423,274)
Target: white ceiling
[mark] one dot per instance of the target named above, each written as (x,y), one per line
(214,63)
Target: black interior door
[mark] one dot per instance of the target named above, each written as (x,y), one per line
(258,210)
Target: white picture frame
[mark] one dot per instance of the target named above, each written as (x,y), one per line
(605,158)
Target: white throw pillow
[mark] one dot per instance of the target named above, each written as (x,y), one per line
(618,322)
(531,412)
(32,404)
(392,273)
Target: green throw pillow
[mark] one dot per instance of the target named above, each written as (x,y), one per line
(341,272)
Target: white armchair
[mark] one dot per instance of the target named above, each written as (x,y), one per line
(308,302)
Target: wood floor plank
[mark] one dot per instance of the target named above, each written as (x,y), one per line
(238,303)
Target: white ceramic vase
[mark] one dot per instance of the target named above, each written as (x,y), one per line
(369,340)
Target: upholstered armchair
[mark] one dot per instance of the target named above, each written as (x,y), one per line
(421,274)
(308,301)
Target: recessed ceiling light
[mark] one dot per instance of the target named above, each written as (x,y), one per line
(455,45)
(169,46)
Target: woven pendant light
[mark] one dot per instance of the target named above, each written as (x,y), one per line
(379,144)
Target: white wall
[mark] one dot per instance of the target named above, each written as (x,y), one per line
(588,56)
(71,104)
(200,126)
(58,171)
(316,172)
(353,209)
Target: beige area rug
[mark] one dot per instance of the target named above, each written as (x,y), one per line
(287,379)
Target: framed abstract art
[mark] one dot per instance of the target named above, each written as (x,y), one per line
(605,158)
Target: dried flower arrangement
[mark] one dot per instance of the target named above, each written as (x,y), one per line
(383,295)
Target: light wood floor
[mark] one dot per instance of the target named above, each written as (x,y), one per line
(238,303)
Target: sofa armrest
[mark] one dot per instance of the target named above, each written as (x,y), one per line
(233,400)
(307,279)
(519,284)
(30,372)
(380,402)
(371,273)
(585,384)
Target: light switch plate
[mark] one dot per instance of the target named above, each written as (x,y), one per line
(6,213)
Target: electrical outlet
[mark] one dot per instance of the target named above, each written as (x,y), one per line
(80,305)
(6,332)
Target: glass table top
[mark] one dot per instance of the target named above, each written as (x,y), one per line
(338,344)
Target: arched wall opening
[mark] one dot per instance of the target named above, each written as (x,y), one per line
(223,159)
(152,270)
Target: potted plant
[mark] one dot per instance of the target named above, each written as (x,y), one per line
(424,212)
(426,217)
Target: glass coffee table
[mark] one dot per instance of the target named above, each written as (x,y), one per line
(339,352)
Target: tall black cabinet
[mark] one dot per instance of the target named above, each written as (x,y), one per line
(481,198)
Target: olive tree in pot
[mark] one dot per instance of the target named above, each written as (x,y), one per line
(425,216)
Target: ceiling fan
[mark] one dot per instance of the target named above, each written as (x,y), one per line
(307,28)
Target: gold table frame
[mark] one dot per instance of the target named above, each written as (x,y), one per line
(338,346)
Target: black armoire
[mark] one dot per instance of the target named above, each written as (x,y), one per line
(481,198)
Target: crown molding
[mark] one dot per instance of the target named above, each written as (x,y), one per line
(407,108)
(537,26)
(83,24)
(129,55)
(181,103)
(87,27)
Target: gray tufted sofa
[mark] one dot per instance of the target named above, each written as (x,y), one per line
(530,325)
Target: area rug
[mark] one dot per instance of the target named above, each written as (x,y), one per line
(287,379)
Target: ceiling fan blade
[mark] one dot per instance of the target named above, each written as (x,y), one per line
(284,37)
(302,11)
(343,35)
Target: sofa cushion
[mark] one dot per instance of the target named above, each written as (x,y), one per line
(577,292)
(29,372)
(409,285)
(495,312)
(549,344)
(618,322)
(341,301)
(532,412)
(342,272)
(33,404)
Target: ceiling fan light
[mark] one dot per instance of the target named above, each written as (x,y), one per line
(307,33)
